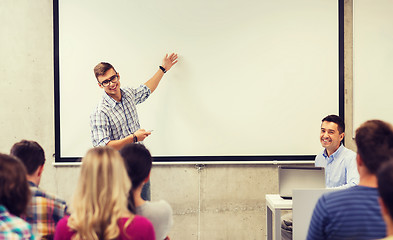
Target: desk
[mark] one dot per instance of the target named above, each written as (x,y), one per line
(274,205)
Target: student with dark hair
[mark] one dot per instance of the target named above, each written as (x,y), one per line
(138,163)
(385,189)
(44,209)
(354,213)
(14,197)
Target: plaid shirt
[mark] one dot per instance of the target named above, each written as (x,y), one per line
(114,120)
(12,227)
(44,211)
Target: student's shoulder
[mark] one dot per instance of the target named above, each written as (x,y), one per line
(331,199)
(139,222)
(160,206)
(63,221)
(40,193)
(139,228)
(62,230)
(62,225)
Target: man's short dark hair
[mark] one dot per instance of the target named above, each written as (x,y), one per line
(374,140)
(101,68)
(336,119)
(385,183)
(14,189)
(30,153)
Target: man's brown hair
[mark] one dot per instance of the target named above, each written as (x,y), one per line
(14,189)
(30,153)
(374,140)
(101,68)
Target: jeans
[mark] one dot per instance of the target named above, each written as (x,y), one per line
(146,191)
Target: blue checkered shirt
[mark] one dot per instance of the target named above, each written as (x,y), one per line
(13,227)
(113,120)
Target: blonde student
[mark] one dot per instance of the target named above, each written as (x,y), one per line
(99,208)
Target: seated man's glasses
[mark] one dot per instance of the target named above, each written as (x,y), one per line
(112,79)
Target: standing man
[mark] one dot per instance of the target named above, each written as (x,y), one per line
(44,210)
(354,213)
(115,120)
(339,163)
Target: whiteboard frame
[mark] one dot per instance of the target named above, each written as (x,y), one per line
(198,159)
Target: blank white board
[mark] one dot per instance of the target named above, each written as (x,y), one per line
(254,78)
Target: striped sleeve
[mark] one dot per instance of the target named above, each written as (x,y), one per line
(318,221)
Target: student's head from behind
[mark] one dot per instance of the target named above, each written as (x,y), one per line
(14,189)
(374,140)
(385,183)
(101,195)
(138,162)
(332,132)
(30,153)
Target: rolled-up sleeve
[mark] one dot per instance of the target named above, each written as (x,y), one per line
(141,93)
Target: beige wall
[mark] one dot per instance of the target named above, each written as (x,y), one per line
(215,202)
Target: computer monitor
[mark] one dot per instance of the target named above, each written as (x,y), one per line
(293,177)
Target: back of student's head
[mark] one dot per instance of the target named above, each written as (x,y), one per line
(30,153)
(101,195)
(337,120)
(14,189)
(138,162)
(385,183)
(374,140)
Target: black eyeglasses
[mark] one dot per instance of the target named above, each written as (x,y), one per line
(112,79)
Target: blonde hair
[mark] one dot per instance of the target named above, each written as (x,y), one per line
(101,195)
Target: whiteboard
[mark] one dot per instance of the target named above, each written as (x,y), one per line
(372,61)
(254,77)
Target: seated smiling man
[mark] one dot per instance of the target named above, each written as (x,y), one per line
(339,163)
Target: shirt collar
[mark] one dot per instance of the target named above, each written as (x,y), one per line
(335,154)
(108,100)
